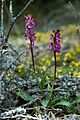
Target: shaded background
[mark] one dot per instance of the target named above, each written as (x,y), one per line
(48,14)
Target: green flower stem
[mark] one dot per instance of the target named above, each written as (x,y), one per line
(54,70)
(32,55)
(54,78)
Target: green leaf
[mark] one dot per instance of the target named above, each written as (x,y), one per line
(42,83)
(56,100)
(44,102)
(49,88)
(78,95)
(78,98)
(64,103)
(24,95)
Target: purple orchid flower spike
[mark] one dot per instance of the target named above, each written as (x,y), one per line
(55,41)
(55,46)
(29,30)
(30,34)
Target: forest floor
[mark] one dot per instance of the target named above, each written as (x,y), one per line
(25,94)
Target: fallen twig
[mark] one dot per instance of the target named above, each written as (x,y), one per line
(50,109)
(20,116)
(31,102)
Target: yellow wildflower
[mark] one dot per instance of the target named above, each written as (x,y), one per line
(59,70)
(19,68)
(9,75)
(78,74)
(47,62)
(77,64)
(73,63)
(68,55)
(75,73)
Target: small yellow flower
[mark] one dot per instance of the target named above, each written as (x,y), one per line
(19,68)
(68,55)
(78,74)
(77,64)
(59,70)
(9,75)
(75,73)
(73,63)
(47,62)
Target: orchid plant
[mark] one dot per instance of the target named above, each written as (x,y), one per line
(55,46)
(30,35)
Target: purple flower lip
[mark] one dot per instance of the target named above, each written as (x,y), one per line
(51,36)
(55,41)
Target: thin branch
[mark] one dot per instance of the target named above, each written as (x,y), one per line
(75,17)
(20,13)
(2,19)
(20,116)
(15,19)
(11,10)
(31,102)
(12,48)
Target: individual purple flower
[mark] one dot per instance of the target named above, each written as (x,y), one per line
(51,37)
(55,41)
(29,30)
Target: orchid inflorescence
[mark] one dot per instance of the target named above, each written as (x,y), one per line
(55,41)
(29,30)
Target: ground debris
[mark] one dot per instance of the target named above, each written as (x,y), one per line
(21,114)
